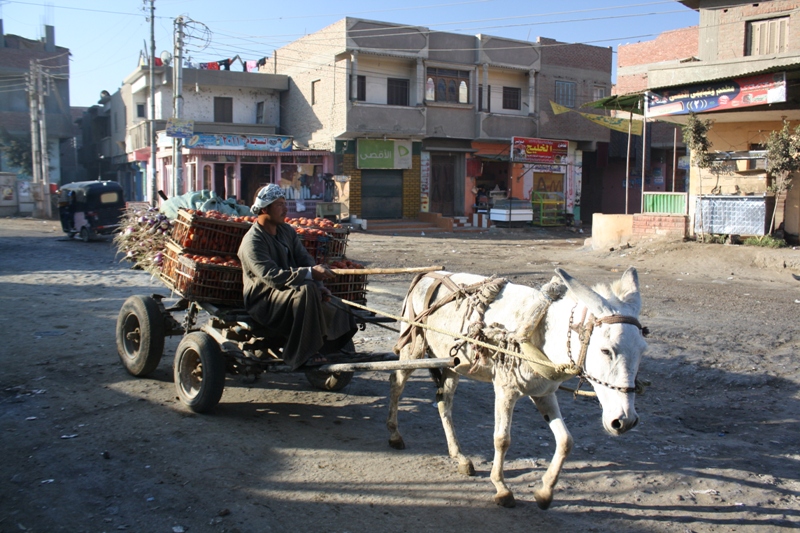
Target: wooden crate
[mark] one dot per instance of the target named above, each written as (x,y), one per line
(201,282)
(208,236)
(351,287)
(337,244)
(317,246)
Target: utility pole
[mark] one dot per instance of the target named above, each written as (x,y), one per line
(152,122)
(45,157)
(177,108)
(36,155)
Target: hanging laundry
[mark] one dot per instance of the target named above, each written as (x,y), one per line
(213,65)
(158,62)
(203,66)
(225,64)
(250,66)
(262,61)
(189,64)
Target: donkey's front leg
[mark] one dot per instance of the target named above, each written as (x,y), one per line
(445,406)
(548,407)
(505,399)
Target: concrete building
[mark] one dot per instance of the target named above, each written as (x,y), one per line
(16,55)
(739,69)
(236,145)
(422,121)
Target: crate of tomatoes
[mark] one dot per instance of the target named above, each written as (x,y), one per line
(315,242)
(351,287)
(203,278)
(209,232)
(335,243)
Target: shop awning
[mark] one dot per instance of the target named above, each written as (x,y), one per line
(630,103)
(207,151)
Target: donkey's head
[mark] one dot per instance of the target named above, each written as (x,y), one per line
(608,317)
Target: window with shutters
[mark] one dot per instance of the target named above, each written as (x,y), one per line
(598,92)
(565,93)
(361,88)
(512,98)
(397,91)
(259,112)
(447,85)
(223,109)
(766,37)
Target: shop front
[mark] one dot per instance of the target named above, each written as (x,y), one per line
(525,170)
(237,166)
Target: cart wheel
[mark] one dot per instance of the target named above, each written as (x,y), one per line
(140,335)
(328,382)
(71,234)
(199,372)
(85,235)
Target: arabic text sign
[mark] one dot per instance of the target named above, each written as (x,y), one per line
(546,151)
(374,153)
(718,96)
(267,143)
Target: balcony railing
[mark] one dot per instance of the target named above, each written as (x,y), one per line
(667,203)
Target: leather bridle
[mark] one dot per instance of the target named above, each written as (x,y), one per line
(584,330)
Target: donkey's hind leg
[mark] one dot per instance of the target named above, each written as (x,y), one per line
(447,383)
(397,382)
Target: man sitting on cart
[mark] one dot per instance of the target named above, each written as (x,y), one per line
(283,288)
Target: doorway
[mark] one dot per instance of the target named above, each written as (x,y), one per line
(443,172)
(381,194)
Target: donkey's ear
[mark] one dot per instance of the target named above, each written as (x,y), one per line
(629,290)
(598,305)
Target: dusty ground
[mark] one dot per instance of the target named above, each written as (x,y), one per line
(87,447)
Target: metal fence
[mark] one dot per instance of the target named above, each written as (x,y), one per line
(669,203)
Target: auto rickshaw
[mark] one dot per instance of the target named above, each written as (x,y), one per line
(90,208)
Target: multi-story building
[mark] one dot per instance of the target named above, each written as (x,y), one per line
(236,145)
(423,120)
(17,55)
(743,78)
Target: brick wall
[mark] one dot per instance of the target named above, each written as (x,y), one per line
(661,226)
(349,169)
(731,25)
(582,56)
(668,46)
(411,189)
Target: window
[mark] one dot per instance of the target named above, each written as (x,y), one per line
(757,164)
(140,112)
(447,85)
(260,113)
(361,88)
(768,36)
(565,93)
(223,109)
(314,89)
(512,98)
(598,93)
(488,98)
(397,91)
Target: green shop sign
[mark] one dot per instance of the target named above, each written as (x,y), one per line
(373,153)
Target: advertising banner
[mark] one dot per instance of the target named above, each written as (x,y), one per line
(267,143)
(545,151)
(390,154)
(182,129)
(717,96)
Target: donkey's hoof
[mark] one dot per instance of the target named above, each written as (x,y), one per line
(397,443)
(543,498)
(505,500)
(466,469)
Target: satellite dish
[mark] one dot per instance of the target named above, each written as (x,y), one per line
(166,57)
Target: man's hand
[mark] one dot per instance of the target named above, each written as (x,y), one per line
(321,273)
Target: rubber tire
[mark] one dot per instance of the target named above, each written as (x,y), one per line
(140,357)
(85,234)
(199,372)
(329,382)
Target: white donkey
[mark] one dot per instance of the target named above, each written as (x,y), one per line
(594,330)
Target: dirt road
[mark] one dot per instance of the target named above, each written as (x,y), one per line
(87,447)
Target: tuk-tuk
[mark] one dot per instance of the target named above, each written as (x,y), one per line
(90,208)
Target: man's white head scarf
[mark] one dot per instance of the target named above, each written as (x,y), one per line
(266,196)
